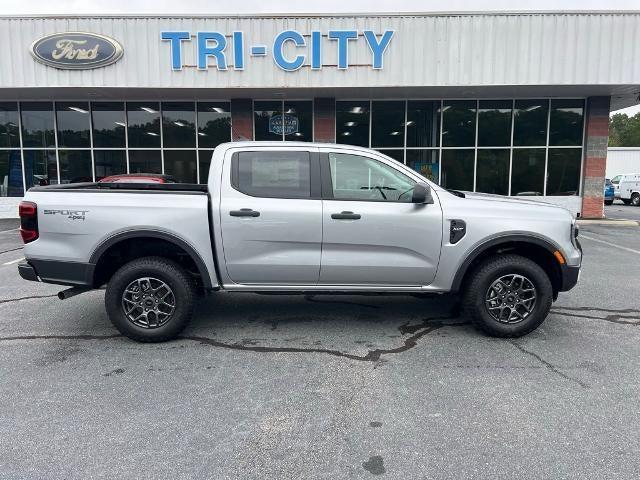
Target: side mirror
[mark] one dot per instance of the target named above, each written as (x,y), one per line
(421,194)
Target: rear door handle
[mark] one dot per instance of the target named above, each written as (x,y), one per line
(346,216)
(244,212)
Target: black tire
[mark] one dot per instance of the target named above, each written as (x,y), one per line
(159,270)
(635,199)
(481,280)
(608,202)
(626,202)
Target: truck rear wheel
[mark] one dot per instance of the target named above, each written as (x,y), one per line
(508,296)
(635,199)
(150,299)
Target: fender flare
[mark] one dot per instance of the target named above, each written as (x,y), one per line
(483,247)
(171,238)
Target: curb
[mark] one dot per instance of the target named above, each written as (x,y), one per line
(612,222)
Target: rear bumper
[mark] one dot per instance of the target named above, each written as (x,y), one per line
(54,271)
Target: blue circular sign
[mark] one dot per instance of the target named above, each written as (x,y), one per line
(76,50)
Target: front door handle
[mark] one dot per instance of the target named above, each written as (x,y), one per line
(346,216)
(244,212)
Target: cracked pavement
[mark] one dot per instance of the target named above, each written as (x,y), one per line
(324,386)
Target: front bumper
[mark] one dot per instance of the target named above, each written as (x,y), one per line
(570,275)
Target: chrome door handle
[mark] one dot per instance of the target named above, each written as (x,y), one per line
(346,216)
(244,212)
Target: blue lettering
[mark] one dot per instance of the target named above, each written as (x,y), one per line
(378,47)
(205,51)
(343,37)
(278,55)
(238,50)
(316,50)
(176,39)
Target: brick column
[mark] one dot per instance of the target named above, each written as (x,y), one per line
(241,119)
(324,120)
(595,156)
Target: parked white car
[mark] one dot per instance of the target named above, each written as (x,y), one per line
(627,188)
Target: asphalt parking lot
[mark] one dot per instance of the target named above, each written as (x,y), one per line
(325,386)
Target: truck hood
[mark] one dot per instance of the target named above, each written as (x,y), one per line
(511,200)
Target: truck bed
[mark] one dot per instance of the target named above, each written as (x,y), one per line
(103,186)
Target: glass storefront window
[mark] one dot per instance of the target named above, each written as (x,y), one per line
(10,173)
(108,124)
(9,134)
(492,174)
(387,124)
(178,125)
(40,165)
(425,162)
(75,166)
(396,154)
(145,161)
(457,169)
(181,164)
(494,123)
(565,123)
(214,123)
(563,171)
(109,162)
(527,171)
(143,120)
(530,122)
(37,125)
(204,158)
(459,123)
(423,123)
(298,121)
(73,122)
(352,123)
(265,120)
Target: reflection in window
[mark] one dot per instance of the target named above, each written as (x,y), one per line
(563,171)
(145,161)
(73,124)
(565,124)
(530,122)
(268,120)
(40,166)
(108,124)
(425,162)
(37,125)
(9,134)
(396,154)
(457,169)
(494,123)
(273,174)
(204,157)
(181,164)
(352,123)
(214,123)
(527,176)
(178,125)
(423,123)
(459,123)
(10,173)
(493,171)
(75,166)
(387,124)
(143,124)
(297,121)
(362,178)
(109,162)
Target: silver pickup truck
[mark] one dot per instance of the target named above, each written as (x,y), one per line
(298,218)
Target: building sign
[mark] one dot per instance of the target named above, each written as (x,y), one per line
(287,124)
(76,50)
(222,49)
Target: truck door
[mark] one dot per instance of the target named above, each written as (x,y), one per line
(271,216)
(372,233)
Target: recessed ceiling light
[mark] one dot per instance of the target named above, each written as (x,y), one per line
(218,110)
(298,134)
(409,123)
(532,108)
(357,110)
(153,134)
(78,109)
(122,124)
(350,124)
(179,124)
(394,133)
(202,134)
(148,110)
(346,134)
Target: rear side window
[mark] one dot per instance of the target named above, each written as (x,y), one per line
(272,174)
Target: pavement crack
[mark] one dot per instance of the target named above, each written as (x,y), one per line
(549,366)
(11,250)
(19,299)
(614,315)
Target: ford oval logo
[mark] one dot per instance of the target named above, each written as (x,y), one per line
(76,50)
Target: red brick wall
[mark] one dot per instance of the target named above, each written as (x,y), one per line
(324,120)
(241,119)
(595,156)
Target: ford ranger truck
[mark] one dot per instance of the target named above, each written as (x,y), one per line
(298,218)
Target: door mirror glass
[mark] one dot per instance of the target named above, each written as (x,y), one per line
(421,194)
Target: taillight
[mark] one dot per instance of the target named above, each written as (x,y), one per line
(28,221)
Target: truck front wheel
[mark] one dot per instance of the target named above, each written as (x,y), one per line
(508,296)
(150,299)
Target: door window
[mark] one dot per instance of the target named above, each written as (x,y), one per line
(361,178)
(272,174)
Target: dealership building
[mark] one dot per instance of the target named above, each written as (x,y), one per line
(503,103)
